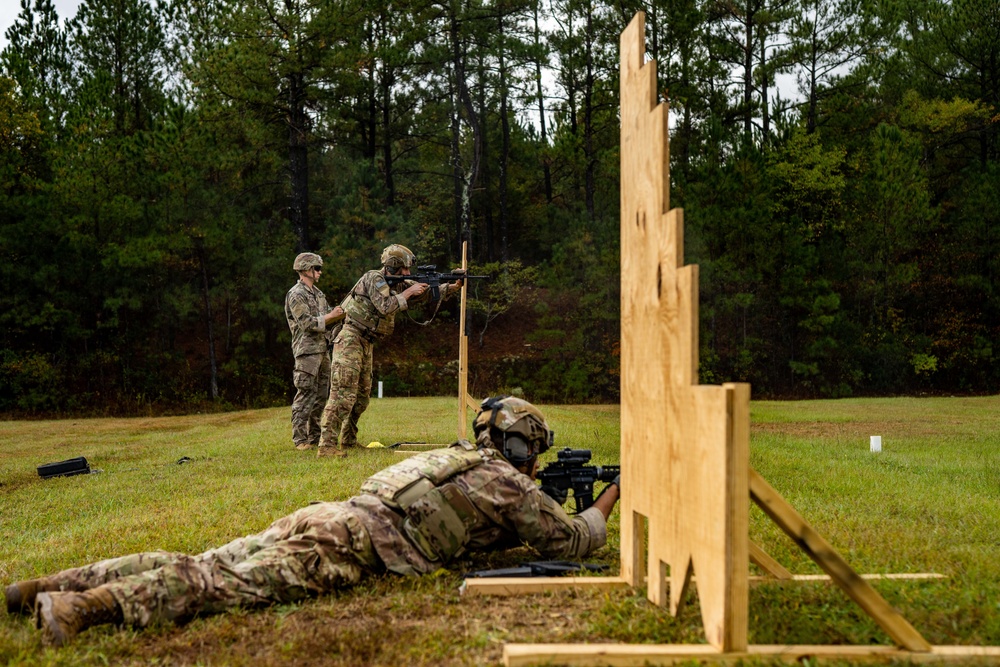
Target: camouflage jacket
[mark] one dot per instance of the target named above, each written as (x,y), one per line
(508,509)
(305,308)
(372,304)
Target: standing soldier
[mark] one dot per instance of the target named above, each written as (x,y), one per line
(411,518)
(371,309)
(309,319)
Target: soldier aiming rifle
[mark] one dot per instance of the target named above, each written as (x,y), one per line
(371,308)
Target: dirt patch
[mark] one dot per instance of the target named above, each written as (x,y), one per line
(852,430)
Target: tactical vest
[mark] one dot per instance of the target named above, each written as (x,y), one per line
(362,313)
(438,513)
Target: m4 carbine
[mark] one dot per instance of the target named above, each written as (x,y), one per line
(428,275)
(570,471)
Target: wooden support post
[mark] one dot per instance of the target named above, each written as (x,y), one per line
(834,565)
(463,354)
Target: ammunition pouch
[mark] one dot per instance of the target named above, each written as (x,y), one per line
(362,314)
(438,514)
(438,522)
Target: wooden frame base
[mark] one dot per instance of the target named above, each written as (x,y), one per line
(503,586)
(637,655)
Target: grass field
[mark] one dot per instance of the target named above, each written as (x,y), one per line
(930,502)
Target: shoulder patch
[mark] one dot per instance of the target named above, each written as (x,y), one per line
(381,285)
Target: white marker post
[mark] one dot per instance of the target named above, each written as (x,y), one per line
(876,443)
(380,389)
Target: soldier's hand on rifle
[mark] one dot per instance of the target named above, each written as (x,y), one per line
(416,289)
(334,315)
(457,283)
(606,501)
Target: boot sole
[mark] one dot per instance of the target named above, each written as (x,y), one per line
(52,634)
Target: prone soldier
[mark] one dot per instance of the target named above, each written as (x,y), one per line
(411,518)
(371,309)
(309,319)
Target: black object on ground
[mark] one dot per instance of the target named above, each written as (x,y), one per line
(76,466)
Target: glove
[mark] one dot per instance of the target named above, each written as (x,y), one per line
(617,481)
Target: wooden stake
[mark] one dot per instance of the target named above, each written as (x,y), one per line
(463,353)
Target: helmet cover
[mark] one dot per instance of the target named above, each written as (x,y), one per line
(398,256)
(306,260)
(519,426)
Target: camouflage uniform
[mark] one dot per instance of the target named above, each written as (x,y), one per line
(305,308)
(371,309)
(328,546)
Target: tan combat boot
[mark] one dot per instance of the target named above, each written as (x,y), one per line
(329,450)
(61,616)
(303,446)
(21,594)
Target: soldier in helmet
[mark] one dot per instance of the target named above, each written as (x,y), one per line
(371,309)
(411,518)
(309,319)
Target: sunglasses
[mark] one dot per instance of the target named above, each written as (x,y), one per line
(317,268)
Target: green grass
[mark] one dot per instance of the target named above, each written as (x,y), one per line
(929,502)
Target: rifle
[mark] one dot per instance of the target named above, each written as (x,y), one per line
(543,568)
(570,471)
(428,275)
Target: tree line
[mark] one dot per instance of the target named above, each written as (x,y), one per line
(163,161)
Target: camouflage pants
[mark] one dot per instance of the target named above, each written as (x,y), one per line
(314,550)
(350,389)
(312,385)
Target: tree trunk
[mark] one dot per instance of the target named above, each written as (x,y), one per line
(470,174)
(486,200)
(456,157)
(748,73)
(546,169)
(387,161)
(764,106)
(213,368)
(588,114)
(505,147)
(298,161)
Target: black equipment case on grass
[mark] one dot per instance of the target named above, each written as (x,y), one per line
(77,466)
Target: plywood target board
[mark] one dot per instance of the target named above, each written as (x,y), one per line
(684,445)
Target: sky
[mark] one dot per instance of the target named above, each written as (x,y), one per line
(9,9)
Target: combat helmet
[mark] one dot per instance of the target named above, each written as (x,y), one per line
(306,260)
(514,426)
(398,256)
